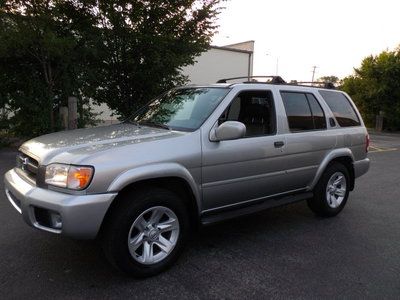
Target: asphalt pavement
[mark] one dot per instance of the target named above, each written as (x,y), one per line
(284,252)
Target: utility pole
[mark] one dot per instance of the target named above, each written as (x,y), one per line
(313,73)
(276,65)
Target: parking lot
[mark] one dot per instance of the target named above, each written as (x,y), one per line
(284,252)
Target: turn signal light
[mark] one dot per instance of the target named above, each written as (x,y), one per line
(79,177)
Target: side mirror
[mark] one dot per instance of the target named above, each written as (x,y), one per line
(229,130)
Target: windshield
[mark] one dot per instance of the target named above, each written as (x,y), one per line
(181,109)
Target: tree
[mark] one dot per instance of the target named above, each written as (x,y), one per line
(333,79)
(41,61)
(375,87)
(119,52)
(144,45)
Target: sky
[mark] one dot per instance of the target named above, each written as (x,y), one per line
(295,35)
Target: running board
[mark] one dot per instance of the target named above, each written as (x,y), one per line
(213,216)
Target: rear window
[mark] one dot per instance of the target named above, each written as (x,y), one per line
(341,108)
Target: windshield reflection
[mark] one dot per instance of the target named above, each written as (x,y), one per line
(181,109)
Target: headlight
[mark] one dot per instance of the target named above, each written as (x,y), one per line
(67,176)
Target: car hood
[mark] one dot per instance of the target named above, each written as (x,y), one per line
(68,146)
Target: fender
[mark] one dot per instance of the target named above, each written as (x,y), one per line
(327,159)
(153,171)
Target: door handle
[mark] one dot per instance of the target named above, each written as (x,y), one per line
(279,144)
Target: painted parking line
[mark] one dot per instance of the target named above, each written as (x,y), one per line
(380,149)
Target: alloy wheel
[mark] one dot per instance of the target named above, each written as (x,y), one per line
(336,189)
(153,235)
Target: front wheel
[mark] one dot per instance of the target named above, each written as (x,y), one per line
(331,192)
(146,232)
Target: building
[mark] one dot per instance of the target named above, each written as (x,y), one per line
(222,62)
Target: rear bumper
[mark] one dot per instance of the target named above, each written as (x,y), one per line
(361,167)
(81,215)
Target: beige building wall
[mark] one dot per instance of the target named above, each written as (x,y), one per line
(218,63)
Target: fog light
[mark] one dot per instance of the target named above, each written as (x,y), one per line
(55,219)
(48,218)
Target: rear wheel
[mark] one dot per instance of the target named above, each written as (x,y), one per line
(146,232)
(331,192)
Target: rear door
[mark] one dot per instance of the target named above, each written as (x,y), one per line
(308,139)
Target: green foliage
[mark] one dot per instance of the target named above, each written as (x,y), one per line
(41,62)
(122,53)
(331,78)
(375,87)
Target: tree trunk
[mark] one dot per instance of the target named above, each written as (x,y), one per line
(72,112)
(51,98)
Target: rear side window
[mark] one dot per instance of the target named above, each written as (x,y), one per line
(341,108)
(303,111)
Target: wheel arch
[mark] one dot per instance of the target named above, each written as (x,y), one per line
(171,177)
(343,156)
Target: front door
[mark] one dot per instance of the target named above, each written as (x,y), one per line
(247,169)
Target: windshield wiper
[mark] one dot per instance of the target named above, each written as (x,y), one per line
(154,124)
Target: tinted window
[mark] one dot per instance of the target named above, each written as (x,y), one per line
(298,111)
(303,111)
(341,108)
(317,112)
(254,109)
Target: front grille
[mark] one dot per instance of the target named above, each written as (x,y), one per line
(28,166)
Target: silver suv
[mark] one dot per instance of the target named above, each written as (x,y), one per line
(195,155)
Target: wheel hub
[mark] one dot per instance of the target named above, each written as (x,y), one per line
(153,234)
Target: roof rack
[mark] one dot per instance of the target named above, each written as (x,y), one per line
(279,80)
(273,80)
(324,84)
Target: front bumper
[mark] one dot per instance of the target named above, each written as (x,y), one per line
(81,215)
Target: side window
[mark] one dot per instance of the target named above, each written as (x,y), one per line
(298,111)
(255,109)
(317,112)
(341,108)
(303,111)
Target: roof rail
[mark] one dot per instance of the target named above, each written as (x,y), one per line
(279,80)
(273,80)
(324,84)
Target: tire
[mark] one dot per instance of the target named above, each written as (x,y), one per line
(331,191)
(142,218)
